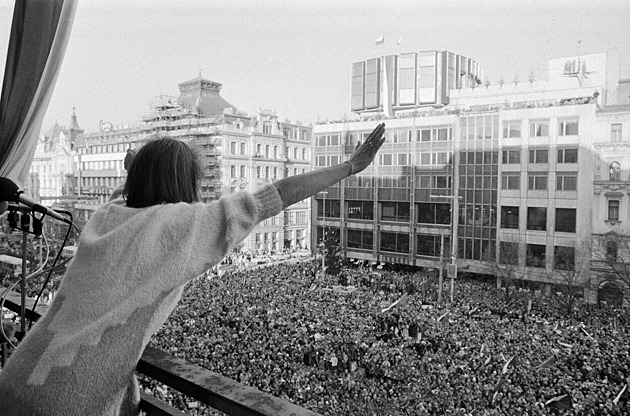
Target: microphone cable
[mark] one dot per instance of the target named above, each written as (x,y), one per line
(52,268)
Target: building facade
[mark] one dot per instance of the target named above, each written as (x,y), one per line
(520,169)
(238,151)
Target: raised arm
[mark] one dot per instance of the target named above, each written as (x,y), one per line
(296,188)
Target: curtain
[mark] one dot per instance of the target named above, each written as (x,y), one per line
(39,36)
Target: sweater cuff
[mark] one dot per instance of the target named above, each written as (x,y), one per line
(269,201)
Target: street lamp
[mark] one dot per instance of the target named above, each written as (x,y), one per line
(324,232)
(452,267)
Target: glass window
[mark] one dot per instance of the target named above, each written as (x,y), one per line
(511,181)
(431,245)
(535,255)
(566,181)
(509,217)
(511,129)
(434,213)
(537,218)
(233,148)
(395,242)
(539,156)
(615,132)
(537,182)
(615,171)
(243,148)
(511,156)
(425,135)
(565,220)
(395,211)
(568,128)
(567,155)
(539,129)
(613,210)
(611,250)
(361,210)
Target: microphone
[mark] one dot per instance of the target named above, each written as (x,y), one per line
(9,191)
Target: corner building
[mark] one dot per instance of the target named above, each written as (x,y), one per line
(501,174)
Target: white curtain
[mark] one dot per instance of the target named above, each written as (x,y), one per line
(39,36)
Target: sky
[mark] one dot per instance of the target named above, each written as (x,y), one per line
(295,57)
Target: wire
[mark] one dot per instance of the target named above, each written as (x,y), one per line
(65,240)
(2,300)
(5,294)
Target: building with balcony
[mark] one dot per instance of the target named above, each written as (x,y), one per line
(523,169)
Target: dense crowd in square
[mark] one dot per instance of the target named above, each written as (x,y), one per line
(282,330)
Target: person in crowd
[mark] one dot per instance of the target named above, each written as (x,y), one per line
(135,256)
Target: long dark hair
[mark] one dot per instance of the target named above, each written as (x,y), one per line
(164,171)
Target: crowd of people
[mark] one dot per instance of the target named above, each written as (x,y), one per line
(34,257)
(289,331)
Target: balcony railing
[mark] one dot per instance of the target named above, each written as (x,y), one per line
(203,385)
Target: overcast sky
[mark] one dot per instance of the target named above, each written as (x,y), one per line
(295,56)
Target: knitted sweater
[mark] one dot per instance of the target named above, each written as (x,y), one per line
(124,281)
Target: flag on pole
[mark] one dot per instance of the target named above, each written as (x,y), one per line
(400,302)
(379,40)
(507,364)
(620,395)
(550,362)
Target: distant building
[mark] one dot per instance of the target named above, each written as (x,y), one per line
(51,178)
(407,81)
(238,151)
(535,169)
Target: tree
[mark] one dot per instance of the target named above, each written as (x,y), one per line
(570,264)
(505,267)
(331,252)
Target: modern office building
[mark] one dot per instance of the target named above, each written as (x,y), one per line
(537,170)
(395,83)
(238,151)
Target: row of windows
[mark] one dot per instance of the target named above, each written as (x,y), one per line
(426,245)
(535,255)
(565,181)
(428,134)
(537,218)
(540,128)
(49,167)
(297,217)
(102,164)
(240,171)
(107,148)
(295,133)
(568,155)
(102,181)
(427,213)
(538,181)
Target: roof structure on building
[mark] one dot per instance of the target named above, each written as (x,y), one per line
(203,97)
(74,124)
